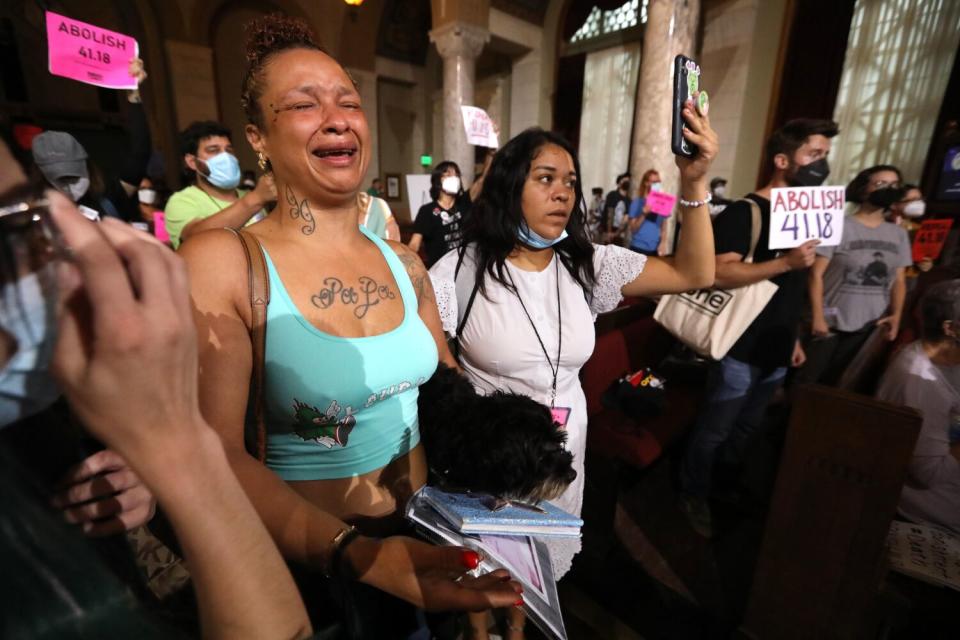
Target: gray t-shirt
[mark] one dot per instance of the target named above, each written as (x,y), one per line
(862,270)
(931,492)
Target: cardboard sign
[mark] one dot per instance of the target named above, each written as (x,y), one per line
(90,54)
(930,238)
(799,214)
(418,192)
(661,203)
(479,127)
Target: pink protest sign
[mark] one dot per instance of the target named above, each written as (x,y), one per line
(89,53)
(160,227)
(661,203)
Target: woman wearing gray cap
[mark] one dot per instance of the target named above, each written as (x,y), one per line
(65,165)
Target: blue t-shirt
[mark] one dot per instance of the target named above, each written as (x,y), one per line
(647,237)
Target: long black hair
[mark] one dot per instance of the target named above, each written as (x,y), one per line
(495,217)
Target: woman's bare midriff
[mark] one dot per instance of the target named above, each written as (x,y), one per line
(374,501)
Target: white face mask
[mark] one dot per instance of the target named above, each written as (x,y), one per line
(656,186)
(73,188)
(26,386)
(147,196)
(450,185)
(915,209)
(720,191)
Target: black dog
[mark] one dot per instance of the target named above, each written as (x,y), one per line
(503,444)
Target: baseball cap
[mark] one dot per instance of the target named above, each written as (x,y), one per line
(58,154)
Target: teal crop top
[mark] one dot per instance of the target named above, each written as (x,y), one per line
(340,407)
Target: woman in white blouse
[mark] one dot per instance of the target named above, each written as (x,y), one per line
(540,283)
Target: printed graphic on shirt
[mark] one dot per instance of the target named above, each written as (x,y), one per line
(872,271)
(328,428)
(332,428)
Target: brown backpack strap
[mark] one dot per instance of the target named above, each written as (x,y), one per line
(259,285)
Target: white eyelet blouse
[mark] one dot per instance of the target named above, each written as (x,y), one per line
(500,351)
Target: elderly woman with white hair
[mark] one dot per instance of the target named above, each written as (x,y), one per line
(925,375)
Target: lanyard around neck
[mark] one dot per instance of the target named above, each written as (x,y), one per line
(554,368)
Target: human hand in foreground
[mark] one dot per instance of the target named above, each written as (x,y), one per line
(126,357)
(891,327)
(699,132)
(104,496)
(430,577)
(803,256)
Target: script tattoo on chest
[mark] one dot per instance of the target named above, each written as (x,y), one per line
(301,211)
(361,298)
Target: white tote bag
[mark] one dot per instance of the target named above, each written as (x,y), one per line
(710,321)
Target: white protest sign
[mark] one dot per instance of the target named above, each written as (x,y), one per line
(798,214)
(479,127)
(418,192)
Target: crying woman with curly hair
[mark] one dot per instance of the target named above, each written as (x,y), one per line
(352,330)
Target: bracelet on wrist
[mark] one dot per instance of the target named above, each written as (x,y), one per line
(693,204)
(338,545)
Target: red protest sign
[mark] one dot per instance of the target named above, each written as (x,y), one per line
(930,238)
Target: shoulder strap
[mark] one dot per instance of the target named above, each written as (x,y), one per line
(259,286)
(466,311)
(756,225)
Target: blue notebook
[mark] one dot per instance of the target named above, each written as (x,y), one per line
(471,513)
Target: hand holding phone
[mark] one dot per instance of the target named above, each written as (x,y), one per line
(686,85)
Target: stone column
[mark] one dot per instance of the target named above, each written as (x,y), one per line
(459,44)
(671,30)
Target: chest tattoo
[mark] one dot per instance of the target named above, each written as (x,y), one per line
(367,294)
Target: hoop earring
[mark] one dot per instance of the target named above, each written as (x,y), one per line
(261,161)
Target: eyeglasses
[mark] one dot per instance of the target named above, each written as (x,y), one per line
(30,240)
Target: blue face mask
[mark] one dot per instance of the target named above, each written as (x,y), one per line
(224,170)
(26,386)
(533,239)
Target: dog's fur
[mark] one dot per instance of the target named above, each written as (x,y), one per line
(504,444)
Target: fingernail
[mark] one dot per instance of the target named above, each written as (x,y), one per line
(470,559)
(518,588)
(518,603)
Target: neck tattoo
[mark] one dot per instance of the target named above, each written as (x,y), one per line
(369,294)
(300,211)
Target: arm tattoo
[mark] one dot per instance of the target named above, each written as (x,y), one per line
(418,275)
(367,295)
(300,210)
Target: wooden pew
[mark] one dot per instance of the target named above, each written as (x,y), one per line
(822,557)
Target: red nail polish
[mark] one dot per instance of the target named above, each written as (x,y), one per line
(470,559)
(518,603)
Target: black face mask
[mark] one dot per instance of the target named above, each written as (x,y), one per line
(810,175)
(886,197)
(625,185)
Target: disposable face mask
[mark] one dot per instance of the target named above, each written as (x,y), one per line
(720,191)
(915,209)
(147,196)
(26,386)
(656,186)
(224,170)
(451,185)
(73,188)
(533,239)
(810,175)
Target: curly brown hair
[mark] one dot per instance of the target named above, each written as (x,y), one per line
(267,36)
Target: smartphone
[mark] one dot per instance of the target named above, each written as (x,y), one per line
(686,82)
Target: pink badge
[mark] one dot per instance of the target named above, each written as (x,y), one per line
(561,415)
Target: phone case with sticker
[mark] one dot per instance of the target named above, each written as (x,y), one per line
(686,82)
